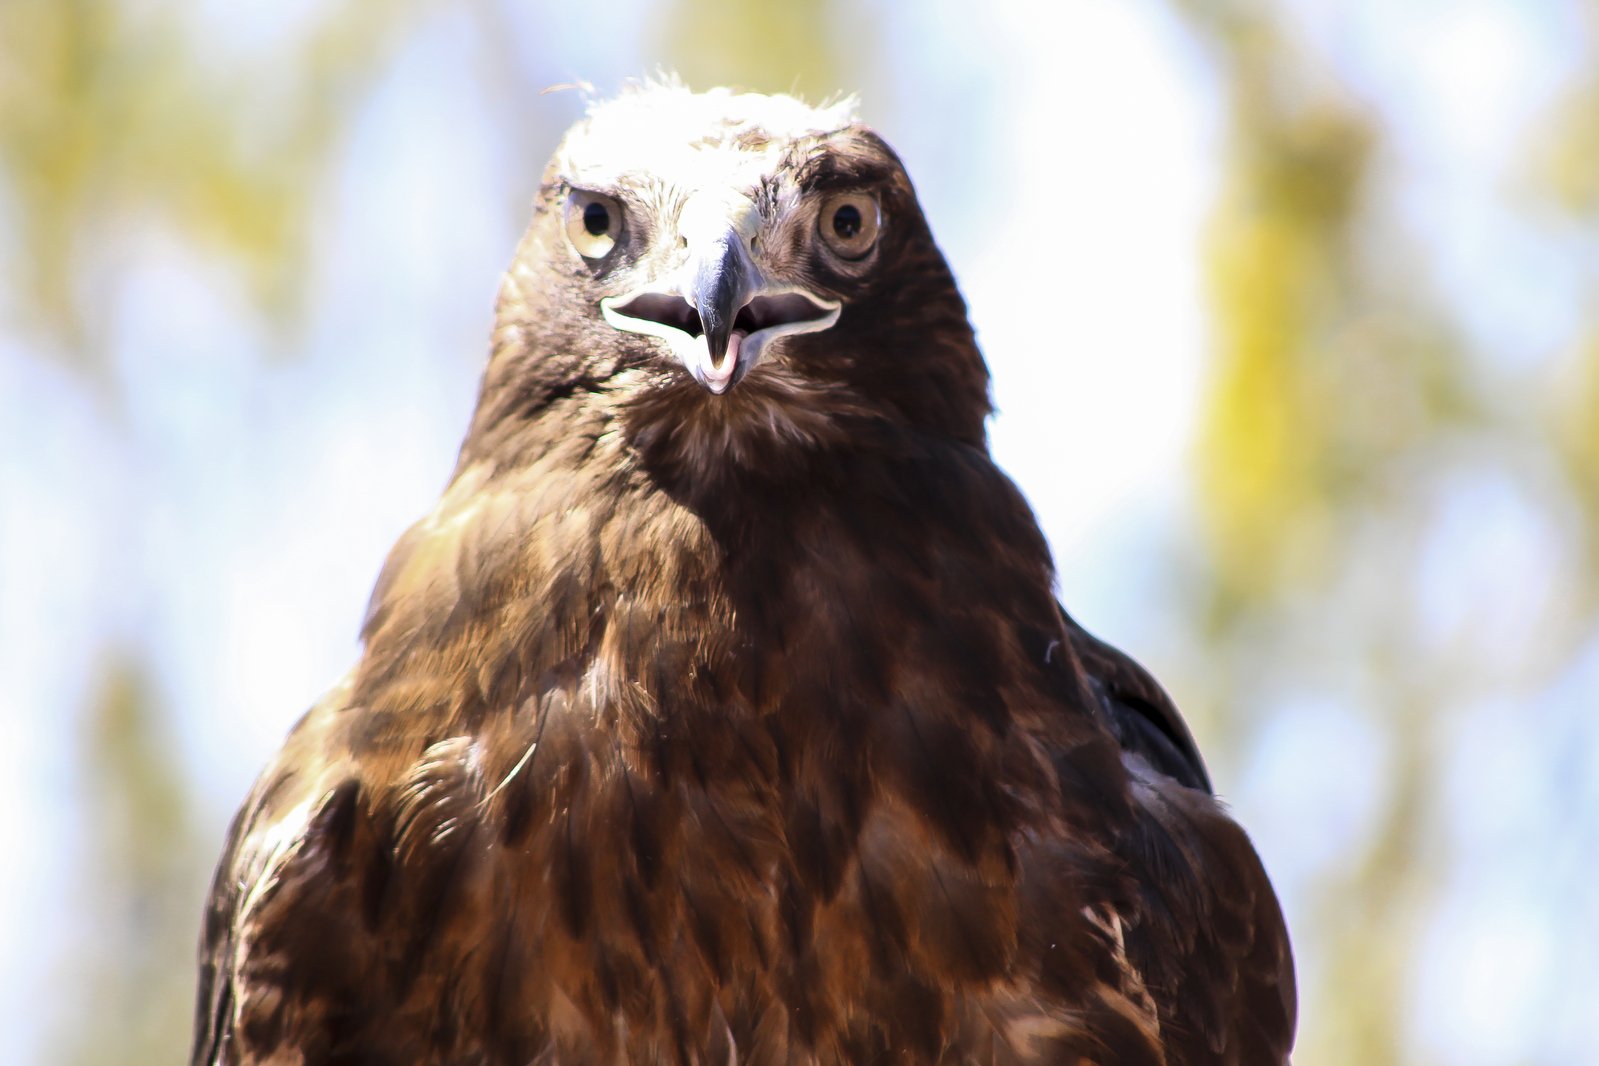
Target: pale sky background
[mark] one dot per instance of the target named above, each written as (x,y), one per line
(228,514)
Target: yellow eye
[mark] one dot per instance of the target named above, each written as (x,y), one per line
(593,223)
(849,223)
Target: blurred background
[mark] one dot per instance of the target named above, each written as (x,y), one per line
(1291,308)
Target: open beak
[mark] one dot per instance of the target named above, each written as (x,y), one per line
(719,312)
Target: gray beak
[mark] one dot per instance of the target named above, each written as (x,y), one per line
(723,283)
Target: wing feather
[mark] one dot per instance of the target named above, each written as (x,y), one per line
(1141,714)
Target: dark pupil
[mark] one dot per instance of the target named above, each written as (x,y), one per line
(596,219)
(847,221)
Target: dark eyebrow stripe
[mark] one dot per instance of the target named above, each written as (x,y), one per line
(836,170)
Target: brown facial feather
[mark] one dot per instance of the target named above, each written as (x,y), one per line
(738,728)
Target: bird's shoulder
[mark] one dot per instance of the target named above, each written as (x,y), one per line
(1207,934)
(276,893)
(1198,934)
(332,887)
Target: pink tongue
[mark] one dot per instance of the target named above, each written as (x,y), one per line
(719,377)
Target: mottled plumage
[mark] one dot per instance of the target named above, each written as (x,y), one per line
(721,711)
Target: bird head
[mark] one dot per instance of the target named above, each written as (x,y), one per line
(726,257)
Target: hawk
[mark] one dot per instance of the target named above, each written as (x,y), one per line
(722,711)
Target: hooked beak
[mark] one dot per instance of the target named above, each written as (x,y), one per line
(721,288)
(719,312)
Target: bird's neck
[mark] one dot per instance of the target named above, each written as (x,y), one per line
(620,552)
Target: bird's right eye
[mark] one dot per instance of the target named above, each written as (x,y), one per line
(593,223)
(849,223)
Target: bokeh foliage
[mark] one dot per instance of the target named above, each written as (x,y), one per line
(1323,382)
(118,119)
(1344,402)
(117,116)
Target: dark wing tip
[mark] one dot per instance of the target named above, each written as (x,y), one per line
(1141,714)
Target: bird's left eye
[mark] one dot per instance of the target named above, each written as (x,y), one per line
(848,224)
(593,223)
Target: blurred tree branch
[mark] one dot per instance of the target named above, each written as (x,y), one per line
(135,928)
(1569,178)
(1328,381)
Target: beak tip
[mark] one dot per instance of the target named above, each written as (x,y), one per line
(718,374)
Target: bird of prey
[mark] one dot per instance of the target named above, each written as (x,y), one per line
(722,711)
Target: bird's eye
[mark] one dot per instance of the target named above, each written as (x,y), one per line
(593,223)
(849,223)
